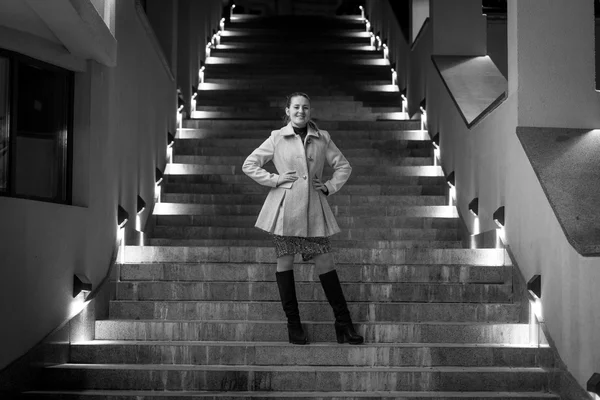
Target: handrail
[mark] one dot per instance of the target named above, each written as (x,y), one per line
(141,14)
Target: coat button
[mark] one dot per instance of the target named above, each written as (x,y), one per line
(304,176)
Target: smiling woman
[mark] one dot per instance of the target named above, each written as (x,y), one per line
(296,212)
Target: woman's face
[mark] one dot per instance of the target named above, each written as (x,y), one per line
(298,111)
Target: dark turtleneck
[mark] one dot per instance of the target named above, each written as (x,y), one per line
(301,131)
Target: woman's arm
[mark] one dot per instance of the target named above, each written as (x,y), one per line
(341,166)
(255,161)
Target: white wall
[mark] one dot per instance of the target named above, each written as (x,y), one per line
(420,12)
(121,118)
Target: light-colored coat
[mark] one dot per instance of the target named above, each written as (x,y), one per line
(297,208)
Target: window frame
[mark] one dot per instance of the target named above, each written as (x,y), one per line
(14,61)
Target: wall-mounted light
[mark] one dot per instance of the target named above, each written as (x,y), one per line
(201,72)
(208,46)
(367,25)
(386,51)
(498,217)
(423,107)
(378,38)
(451,180)
(180,103)
(141,204)
(593,384)
(436,141)
(373,40)
(394,77)
(231,10)
(222,24)
(534,286)
(362,11)
(122,217)
(81,283)
(158,177)
(404,100)
(170,140)
(474,206)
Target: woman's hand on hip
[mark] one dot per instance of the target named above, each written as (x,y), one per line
(289,176)
(320,185)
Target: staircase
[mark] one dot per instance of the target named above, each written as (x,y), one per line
(197,312)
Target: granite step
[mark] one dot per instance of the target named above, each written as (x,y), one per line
(384,153)
(188,135)
(267,291)
(321,354)
(292,378)
(348,273)
(336,199)
(386,146)
(396,170)
(301,50)
(260,395)
(317,332)
(347,234)
(251,187)
(237,254)
(336,243)
(275,113)
(315,311)
(353,180)
(345,222)
(327,125)
(361,163)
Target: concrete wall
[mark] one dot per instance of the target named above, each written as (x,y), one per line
(420,12)
(497,46)
(490,163)
(383,20)
(121,118)
(420,67)
(197,20)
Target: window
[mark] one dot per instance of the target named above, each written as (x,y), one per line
(36,103)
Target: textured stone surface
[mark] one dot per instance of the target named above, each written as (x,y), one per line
(571,185)
(314,311)
(293,378)
(245,272)
(261,353)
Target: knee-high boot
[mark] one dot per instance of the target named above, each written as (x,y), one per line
(344,330)
(287,292)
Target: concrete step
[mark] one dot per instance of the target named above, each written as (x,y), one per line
(300,53)
(353,180)
(322,115)
(276,331)
(292,378)
(387,171)
(362,163)
(336,199)
(242,241)
(250,187)
(348,273)
(236,254)
(327,125)
(267,291)
(359,142)
(346,222)
(315,311)
(389,153)
(359,164)
(347,234)
(260,395)
(321,354)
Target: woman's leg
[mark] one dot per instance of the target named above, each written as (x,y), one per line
(287,292)
(344,329)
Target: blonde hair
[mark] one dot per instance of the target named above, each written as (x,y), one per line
(286,119)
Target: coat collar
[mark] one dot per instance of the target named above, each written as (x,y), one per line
(289,131)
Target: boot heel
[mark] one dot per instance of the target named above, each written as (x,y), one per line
(339,333)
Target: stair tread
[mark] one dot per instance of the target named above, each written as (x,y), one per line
(311,394)
(299,368)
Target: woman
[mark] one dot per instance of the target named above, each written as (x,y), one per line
(296,212)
